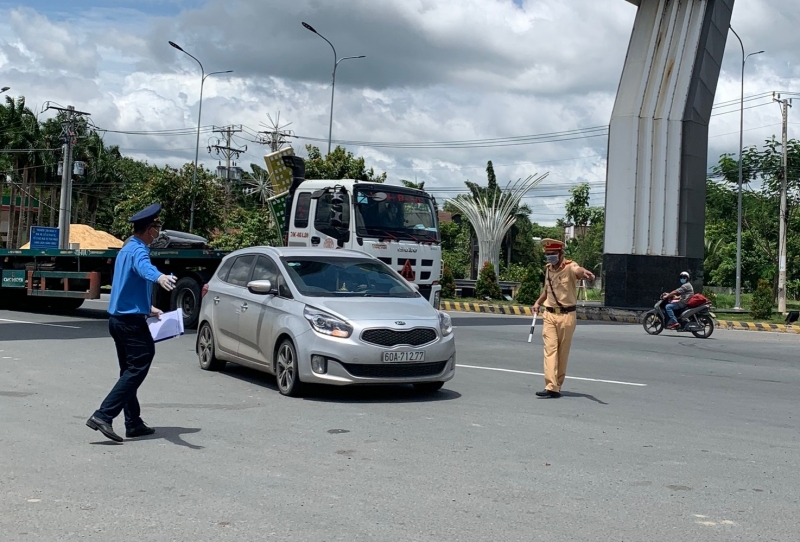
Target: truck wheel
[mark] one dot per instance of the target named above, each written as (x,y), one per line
(186,296)
(66,305)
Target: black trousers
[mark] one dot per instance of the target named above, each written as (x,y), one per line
(135,352)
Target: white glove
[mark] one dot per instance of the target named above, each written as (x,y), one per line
(167,282)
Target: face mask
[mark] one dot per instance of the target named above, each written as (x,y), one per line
(552,259)
(683,281)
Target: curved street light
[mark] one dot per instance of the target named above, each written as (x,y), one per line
(204,76)
(336,61)
(738,302)
(2,90)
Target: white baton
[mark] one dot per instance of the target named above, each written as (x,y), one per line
(533,326)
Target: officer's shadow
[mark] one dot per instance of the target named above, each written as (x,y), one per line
(584,395)
(170,434)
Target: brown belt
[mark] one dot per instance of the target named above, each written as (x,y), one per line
(559,310)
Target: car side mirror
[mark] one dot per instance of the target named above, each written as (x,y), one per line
(261,287)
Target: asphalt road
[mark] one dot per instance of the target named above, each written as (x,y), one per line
(656,438)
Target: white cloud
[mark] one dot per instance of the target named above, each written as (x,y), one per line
(436,70)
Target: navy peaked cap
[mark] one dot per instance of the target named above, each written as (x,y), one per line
(146,215)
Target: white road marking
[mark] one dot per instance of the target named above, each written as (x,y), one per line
(37,323)
(542,374)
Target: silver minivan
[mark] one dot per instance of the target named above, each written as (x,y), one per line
(327,316)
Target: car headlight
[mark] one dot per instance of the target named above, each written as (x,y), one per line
(445,324)
(327,324)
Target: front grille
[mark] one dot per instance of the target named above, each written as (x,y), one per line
(427,263)
(402,261)
(387,261)
(395,370)
(391,337)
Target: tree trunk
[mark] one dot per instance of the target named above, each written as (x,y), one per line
(23,197)
(12,211)
(26,231)
(94,203)
(53,203)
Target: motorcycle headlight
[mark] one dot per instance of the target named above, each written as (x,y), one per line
(327,324)
(445,324)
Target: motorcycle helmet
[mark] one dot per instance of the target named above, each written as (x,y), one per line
(684,277)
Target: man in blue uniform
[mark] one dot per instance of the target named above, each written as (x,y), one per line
(131,293)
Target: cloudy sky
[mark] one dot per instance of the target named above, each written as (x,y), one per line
(435,71)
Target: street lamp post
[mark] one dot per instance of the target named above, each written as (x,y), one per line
(203,76)
(738,301)
(336,61)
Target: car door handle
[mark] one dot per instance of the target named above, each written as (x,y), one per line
(244,306)
(216,300)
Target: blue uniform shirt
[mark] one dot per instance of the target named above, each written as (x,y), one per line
(134,275)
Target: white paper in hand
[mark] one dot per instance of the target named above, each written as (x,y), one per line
(169,326)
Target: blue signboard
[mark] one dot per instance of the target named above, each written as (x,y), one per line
(42,238)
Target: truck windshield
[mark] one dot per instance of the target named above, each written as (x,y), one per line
(388,213)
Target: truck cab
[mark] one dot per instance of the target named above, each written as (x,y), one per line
(397,225)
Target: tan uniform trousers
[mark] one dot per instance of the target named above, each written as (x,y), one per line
(557,336)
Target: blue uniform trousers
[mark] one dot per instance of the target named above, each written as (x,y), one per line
(135,352)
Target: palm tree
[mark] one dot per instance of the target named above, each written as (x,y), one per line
(20,133)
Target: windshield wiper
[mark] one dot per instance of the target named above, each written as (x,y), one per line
(430,236)
(380,232)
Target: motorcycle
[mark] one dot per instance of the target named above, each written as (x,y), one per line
(699,321)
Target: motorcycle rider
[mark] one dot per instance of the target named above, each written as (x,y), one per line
(683,293)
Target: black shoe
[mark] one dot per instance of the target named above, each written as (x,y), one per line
(104,427)
(139,431)
(548,394)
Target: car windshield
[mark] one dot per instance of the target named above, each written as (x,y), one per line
(345,277)
(389,213)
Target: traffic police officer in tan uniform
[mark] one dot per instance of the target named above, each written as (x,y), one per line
(559,300)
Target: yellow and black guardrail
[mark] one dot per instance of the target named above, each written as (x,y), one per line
(597,313)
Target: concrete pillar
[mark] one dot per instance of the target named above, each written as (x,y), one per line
(657,149)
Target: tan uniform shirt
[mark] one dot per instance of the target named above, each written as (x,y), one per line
(564,284)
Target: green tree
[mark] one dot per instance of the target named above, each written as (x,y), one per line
(762,175)
(173,189)
(455,247)
(412,184)
(246,228)
(487,285)
(339,164)
(448,283)
(530,289)
(761,305)
(586,247)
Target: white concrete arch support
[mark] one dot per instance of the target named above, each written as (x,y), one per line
(658,139)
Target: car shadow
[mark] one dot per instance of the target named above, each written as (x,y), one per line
(372,393)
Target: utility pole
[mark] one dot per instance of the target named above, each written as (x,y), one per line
(68,137)
(228,152)
(785,104)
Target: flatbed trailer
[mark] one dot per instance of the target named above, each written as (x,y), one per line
(61,280)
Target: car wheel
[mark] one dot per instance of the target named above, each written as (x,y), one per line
(286,369)
(206,350)
(428,387)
